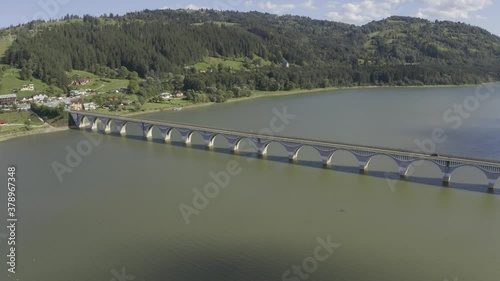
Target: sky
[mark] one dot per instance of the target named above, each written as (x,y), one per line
(483,13)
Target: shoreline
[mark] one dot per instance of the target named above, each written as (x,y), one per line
(255,95)
(263,94)
(6,137)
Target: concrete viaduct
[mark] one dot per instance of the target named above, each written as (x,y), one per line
(446,163)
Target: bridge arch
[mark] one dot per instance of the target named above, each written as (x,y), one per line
(195,138)
(411,167)
(244,145)
(474,172)
(126,128)
(217,141)
(311,152)
(378,157)
(346,157)
(278,149)
(174,135)
(152,132)
(85,122)
(99,125)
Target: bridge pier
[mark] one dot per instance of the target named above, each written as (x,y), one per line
(209,145)
(403,172)
(261,149)
(186,136)
(234,145)
(326,161)
(121,127)
(107,125)
(94,125)
(363,165)
(187,140)
(165,133)
(491,183)
(233,148)
(262,153)
(107,129)
(446,179)
(147,131)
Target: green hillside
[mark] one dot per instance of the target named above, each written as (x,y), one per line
(11,80)
(174,49)
(5,43)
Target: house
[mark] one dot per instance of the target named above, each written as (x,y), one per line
(3,122)
(75,93)
(89,106)
(179,94)
(25,101)
(127,102)
(39,97)
(66,102)
(29,87)
(166,96)
(82,81)
(8,99)
(285,64)
(76,105)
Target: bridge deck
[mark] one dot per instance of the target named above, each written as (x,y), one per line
(304,141)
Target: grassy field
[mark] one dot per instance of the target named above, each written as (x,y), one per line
(236,64)
(20,117)
(11,80)
(98,84)
(4,45)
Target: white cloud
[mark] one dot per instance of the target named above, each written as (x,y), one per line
(367,10)
(452,9)
(332,4)
(481,17)
(248,3)
(276,8)
(309,4)
(194,7)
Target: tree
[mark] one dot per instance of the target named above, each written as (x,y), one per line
(133,75)
(178,82)
(193,83)
(133,87)
(123,73)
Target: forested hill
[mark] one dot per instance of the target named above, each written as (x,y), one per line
(162,43)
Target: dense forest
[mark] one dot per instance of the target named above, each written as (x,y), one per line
(162,46)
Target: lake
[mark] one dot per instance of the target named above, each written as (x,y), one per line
(130,209)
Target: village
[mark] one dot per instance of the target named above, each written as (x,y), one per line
(80,98)
(76,99)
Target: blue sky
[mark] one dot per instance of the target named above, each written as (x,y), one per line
(483,13)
